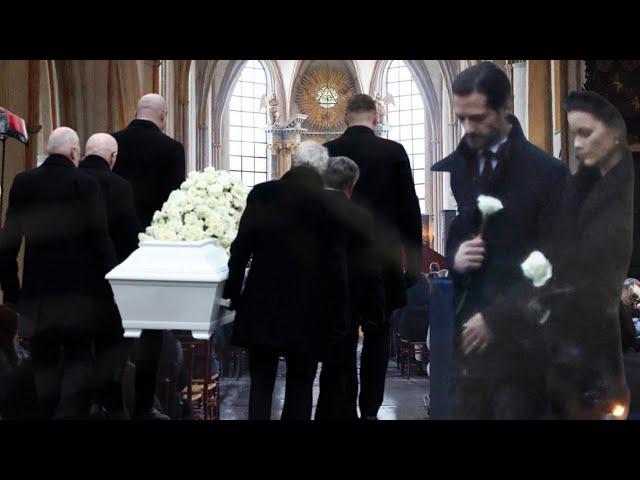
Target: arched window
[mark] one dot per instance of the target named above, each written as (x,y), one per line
(247,122)
(406,121)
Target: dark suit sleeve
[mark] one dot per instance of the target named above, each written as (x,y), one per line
(10,240)
(241,251)
(124,222)
(97,229)
(408,215)
(627,328)
(369,292)
(176,169)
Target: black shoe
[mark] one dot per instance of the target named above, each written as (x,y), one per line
(152,414)
(367,418)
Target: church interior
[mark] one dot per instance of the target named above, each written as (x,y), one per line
(249,116)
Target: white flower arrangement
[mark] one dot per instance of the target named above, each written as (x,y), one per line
(208,204)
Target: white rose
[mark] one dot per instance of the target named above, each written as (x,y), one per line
(165,234)
(190,219)
(489,205)
(214,189)
(537,268)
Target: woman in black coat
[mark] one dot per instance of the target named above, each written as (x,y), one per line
(590,258)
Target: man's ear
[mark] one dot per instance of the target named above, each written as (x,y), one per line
(508,105)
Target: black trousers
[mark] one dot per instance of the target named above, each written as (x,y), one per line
(298,398)
(339,381)
(62,367)
(147,361)
(111,351)
(503,398)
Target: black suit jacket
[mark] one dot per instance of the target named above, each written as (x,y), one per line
(288,301)
(123,225)
(387,191)
(530,184)
(117,195)
(354,233)
(152,162)
(60,213)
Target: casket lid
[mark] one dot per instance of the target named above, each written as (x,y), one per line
(156,260)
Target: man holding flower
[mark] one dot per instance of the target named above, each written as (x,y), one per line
(507,191)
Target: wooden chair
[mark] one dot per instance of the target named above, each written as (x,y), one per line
(407,356)
(203,389)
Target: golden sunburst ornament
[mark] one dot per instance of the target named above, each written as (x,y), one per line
(323,95)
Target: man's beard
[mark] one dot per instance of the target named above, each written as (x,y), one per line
(478,142)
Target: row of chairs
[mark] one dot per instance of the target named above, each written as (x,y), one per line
(411,354)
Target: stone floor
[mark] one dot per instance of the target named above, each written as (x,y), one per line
(404,398)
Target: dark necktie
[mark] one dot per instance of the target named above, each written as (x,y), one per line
(487,171)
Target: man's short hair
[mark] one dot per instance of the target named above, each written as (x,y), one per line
(629,282)
(341,173)
(360,103)
(311,154)
(485,78)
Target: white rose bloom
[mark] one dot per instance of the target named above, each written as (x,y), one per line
(214,189)
(177,196)
(190,219)
(489,205)
(537,268)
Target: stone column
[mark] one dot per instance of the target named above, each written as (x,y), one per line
(540,119)
(519,85)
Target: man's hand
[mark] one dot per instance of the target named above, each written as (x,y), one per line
(475,335)
(470,255)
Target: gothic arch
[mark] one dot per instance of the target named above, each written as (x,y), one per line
(232,71)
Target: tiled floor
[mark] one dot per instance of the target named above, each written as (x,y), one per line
(404,398)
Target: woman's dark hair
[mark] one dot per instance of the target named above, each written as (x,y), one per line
(598,106)
(485,78)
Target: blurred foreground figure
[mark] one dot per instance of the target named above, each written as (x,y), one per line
(60,214)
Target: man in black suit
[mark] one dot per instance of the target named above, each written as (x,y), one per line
(154,164)
(502,351)
(59,212)
(354,232)
(387,191)
(294,301)
(110,347)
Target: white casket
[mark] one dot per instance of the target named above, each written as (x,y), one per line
(172,286)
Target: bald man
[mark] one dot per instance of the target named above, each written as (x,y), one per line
(154,164)
(110,348)
(59,212)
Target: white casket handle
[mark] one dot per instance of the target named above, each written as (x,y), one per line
(225,302)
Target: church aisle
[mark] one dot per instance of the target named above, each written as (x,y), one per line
(403,399)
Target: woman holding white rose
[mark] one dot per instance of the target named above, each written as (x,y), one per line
(591,258)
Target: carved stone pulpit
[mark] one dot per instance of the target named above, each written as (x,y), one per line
(283,142)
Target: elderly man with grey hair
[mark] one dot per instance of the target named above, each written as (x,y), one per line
(311,154)
(294,299)
(354,238)
(59,212)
